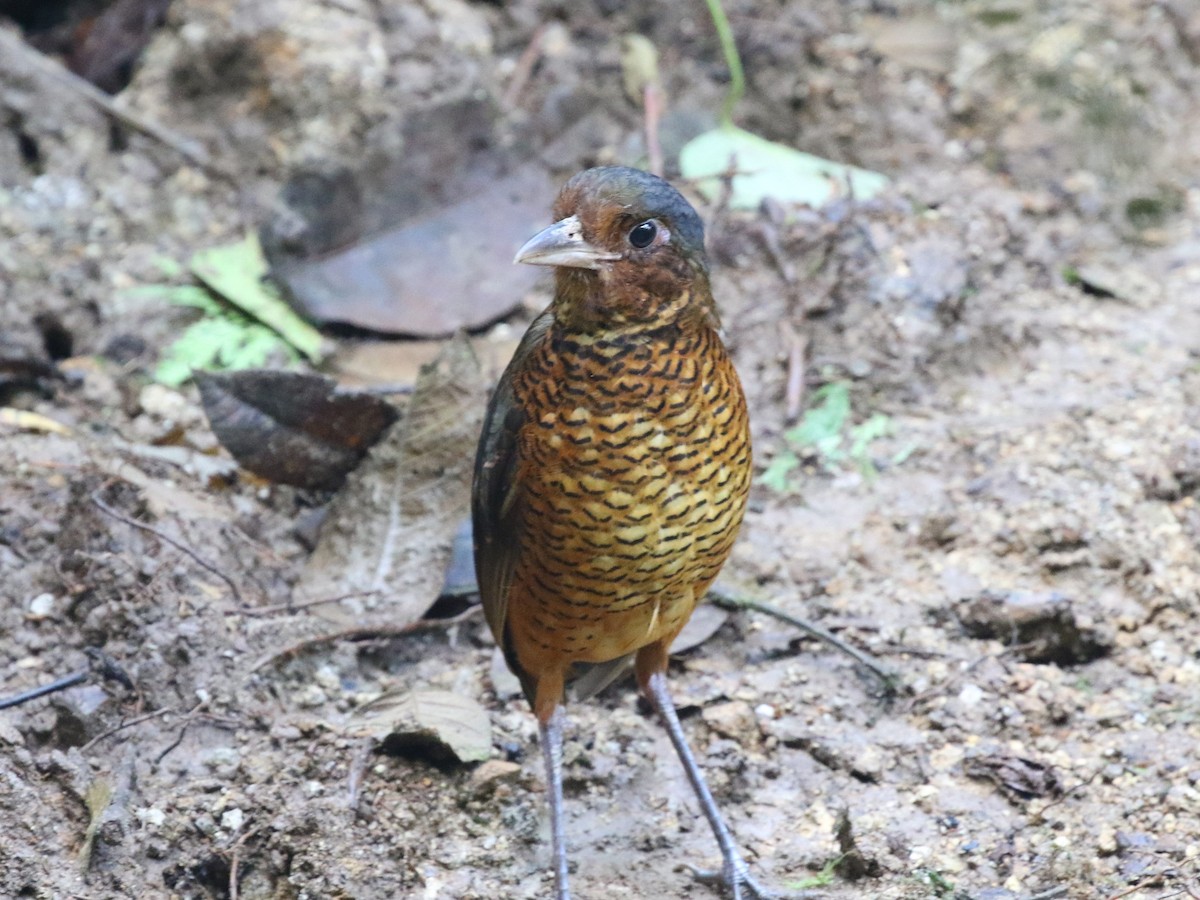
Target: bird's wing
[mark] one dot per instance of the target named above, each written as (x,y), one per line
(495,495)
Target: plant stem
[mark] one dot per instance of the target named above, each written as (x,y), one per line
(737,77)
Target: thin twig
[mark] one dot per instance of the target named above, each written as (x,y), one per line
(797,347)
(291,607)
(187,720)
(1155,880)
(235,858)
(524,68)
(364,633)
(358,767)
(60,684)
(11,44)
(99,663)
(1050,893)
(166,710)
(942,687)
(165,538)
(886,675)
(1040,815)
(652,109)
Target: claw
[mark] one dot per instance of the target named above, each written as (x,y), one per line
(738,884)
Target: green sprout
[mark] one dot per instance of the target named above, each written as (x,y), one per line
(826,432)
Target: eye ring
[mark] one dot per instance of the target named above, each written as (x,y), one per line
(642,236)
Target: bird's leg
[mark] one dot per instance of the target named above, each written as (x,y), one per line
(550,731)
(734,874)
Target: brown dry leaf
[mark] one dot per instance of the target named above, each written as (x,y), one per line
(99,795)
(291,427)
(396,364)
(391,527)
(447,270)
(420,242)
(384,362)
(31,421)
(439,726)
(105,48)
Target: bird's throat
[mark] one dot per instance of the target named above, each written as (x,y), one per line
(599,302)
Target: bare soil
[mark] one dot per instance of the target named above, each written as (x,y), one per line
(1023,547)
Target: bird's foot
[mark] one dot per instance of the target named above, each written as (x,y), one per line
(738,884)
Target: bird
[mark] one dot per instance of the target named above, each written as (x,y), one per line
(613,469)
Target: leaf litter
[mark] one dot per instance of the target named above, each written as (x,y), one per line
(390,529)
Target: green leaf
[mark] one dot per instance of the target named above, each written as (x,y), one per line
(238,272)
(169,267)
(826,432)
(762,169)
(192,295)
(904,453)
(862,435)
(776,475)
(823,422)
(219,342)
(824,878)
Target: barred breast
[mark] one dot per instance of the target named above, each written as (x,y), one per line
(634,465)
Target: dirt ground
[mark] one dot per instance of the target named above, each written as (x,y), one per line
(1022,546)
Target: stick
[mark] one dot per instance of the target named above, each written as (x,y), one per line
(524,68)
(358,767)
(364,633)
(652,108)
(189,149)
(887,676)
(129,724)
(295,607)
(53,687)
(98,662)
(235,858)
(183,548)
(793,397)
(1050,893)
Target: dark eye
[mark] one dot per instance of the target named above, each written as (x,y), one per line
(643,235)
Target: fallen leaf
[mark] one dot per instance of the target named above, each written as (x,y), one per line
(438,726)
(291,427)
(460,578)
(23,363)
(31,421)
(99,795)
(106,47)
(420,242)
(390,529)
(444,271)
(763,169)
(209,470)
(238,272)
(396,363)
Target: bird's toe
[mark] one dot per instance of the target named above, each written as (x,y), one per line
(736,882)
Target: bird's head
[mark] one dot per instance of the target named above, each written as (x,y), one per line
(628,252)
